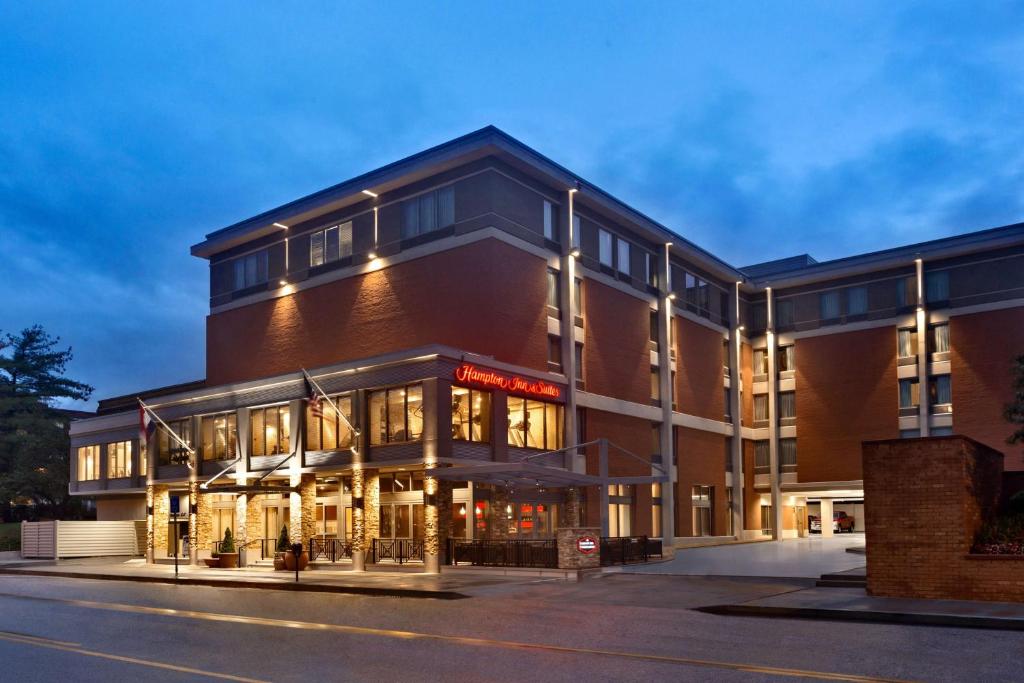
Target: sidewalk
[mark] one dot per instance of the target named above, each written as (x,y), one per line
(853,604)
(445,586)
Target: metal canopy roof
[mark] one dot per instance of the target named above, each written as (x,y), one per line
(528,474)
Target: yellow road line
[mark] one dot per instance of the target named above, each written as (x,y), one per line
(55,645)
(462,640)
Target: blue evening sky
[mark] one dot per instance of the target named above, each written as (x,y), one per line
(757,130)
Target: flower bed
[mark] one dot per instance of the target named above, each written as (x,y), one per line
(1004,535)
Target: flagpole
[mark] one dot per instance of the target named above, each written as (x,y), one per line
(323,393)
(182,442)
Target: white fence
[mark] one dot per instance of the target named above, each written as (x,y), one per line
(79,539)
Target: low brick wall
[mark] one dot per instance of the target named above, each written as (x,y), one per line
(925,501)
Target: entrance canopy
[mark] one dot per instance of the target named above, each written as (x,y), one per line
(528,474)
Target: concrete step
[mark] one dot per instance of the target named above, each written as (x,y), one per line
(846,583)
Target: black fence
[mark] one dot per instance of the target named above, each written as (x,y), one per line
(629,549)
(516,553)
(399,550)
(330,549)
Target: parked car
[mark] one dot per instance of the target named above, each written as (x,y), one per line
(840,522)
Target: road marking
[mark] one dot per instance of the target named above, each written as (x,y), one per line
(414,635)
(76,649)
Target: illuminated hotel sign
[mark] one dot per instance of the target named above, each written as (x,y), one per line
(471,374)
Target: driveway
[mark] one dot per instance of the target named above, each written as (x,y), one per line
(799,557)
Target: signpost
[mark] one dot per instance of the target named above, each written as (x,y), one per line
(296,551)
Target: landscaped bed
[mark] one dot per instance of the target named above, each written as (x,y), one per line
(1003,535)
(10,536)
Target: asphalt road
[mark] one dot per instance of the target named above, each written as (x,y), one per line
(619,627)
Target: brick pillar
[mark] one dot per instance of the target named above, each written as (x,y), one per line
(571,509)
(202,536)
(303,509)
(158,507)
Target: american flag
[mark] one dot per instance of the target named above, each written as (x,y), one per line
(147,425)
(316,401)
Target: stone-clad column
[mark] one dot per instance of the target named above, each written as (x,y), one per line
(365,514)
(571,511)
(303,509)
(202,536)
(193,520)
(498,525)
(158,506)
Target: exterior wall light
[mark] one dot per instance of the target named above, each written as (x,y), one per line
(372,255)
(671,296)
(575,253)
(283,283)
(368,193)
(281,225)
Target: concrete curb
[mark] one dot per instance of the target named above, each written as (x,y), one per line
(905,618)
(229,583)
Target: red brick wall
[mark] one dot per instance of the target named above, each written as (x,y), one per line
(747,368)
(616,355)
(751,498)
(983,347)
(846,393)
(701,461)
(634,435)
(699,383)
(924,502)
(486,297)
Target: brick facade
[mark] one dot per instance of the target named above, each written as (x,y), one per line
(699,378)
(616,353)
(927,500)
(701,462)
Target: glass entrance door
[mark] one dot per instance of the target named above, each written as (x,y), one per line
(401,520)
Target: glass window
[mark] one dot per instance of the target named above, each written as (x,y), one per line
(119,459)
(907,339)
(88,463)
(577,298)
(654,327)
(316,248)
(936,286)
(784,313)
(787,454)
(577,232)
(787,404)
(218,436)
(762,456)
(940,390)
(251,269)
(760,407)
(555,351)
(169,450)
(701,498)
(471,415)
(829,305)
(938,340)
(549,221)
(554,296)
(604,241)
(270,430)
(655,384)
(857,300)
(579,361)
(396,414)
(428,212)
(909,393)
(534,424)
(326,429)
(906,291)
(785,358)
(760,361)
(623,257)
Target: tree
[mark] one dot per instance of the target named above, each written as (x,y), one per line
(1014,411)
(34,447)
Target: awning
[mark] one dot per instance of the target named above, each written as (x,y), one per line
(528,474)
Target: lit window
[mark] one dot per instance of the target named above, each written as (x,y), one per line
(655,384)
(428,212)
(554,298)
(331,244)
(760,361)
(251,270)
(88,463)
(787,404)
(170,450)
(702,501)
(624,256)
(938,338)
(534,424)
(218,436)
(761,408)
(329,430)
(471,415)
(271,430)
(940,391)
(785,358)
(910,393)
(396,415)
(604,241)
(119,460)
(907,340)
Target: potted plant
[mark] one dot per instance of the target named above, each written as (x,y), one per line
(282,549)
(289,558)
(228,556)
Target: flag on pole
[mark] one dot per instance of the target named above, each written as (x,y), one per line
(147,425)
(316,401)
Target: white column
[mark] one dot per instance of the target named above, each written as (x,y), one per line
(921,318)
(665,434)
(773,422)
(573,461)
(736,409)
(826,518)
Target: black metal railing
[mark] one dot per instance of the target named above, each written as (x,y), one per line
(400,550)
(268,548)
(540,553)
(627,549)
(330,549)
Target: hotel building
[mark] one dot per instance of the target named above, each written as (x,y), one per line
(477,311)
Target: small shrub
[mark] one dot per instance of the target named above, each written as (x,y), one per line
(228,546)
(282,540)
(1001,536)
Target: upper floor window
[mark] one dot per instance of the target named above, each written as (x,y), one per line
(428,212)
(698,294)
(761,408)
(650,269)
(787,455)
(938,338)
(271,431)
(910,393)
(331,244)
(577,298)
(577,232)
(624,255)
(655,384)
(907,341)
(829,305)
(170,450)
(906,291)
(554,296)
(760,362)
(762,456)
(251,269)
(219,436)
(119,459)
(784,313)
(88,463)
(326,430)
(940,392)
(786,358)
(554,353)
(550,222)
(396,415)
(471,415)
(856,300)
(726,356)
(534,424)
(936,286)
(787,404)
(604,243)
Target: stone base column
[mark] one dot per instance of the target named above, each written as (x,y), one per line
(571,509)
(498,523)
(303,509)
(365,514)
(201,534)
(158,516)
(437,516)
(579,548)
